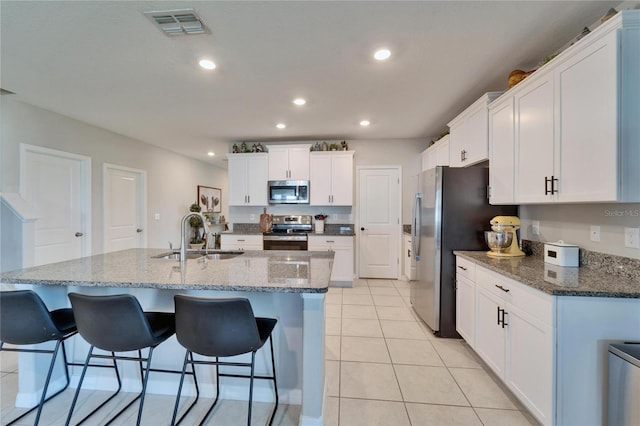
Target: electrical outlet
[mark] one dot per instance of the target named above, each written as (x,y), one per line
(594,233)
(252,217)
(334,216)
(156,216)
(632,237)
(535,227)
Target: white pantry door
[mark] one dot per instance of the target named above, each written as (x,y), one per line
(379,222)
(58,185)
(124,208)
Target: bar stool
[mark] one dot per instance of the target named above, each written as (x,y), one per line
(25,320)
(222,328)
(117,323)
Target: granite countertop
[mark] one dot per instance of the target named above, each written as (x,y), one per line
(556,280)
(256,271)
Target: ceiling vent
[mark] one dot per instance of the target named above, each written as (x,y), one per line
(178,21)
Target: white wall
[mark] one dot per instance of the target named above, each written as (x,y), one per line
(172,179)
(572,224)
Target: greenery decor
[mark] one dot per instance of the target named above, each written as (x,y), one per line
(320,216)
(196,223)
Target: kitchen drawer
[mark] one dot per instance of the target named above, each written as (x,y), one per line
(519,296)
(465,268)
(327,242)
(240,242)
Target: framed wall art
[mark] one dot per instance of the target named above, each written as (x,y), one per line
(210,199)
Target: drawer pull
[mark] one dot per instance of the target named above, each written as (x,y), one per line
(462,267)
(504,323)
(506,290)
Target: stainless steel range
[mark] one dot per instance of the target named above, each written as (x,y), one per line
(288,232)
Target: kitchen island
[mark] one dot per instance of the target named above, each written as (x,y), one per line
(287,285)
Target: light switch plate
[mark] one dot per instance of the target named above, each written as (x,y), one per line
(535,227)
(156,216)
(632,237)
(594,233)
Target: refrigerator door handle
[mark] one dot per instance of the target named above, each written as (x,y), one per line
(416,225)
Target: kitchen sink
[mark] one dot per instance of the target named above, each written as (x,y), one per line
(208,254)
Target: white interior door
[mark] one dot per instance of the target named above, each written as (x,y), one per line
(124,208)
(58,185)
(379,222)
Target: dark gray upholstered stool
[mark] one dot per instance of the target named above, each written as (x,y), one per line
(25,320)
(222,328)
(117,323)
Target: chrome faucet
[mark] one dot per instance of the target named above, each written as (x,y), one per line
(183,245)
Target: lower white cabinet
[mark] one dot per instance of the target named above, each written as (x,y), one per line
(343,262)
(550,351)
(240,242)
(515,338)
(466,301)
(409,260)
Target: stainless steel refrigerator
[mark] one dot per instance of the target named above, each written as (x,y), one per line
(451,212)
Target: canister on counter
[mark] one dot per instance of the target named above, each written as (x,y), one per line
(562,254)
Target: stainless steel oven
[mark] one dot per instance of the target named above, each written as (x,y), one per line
(284,242)
(288,232)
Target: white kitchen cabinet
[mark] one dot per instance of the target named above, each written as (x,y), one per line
(535,178)
(248,179)
(436,155)
(501,151)
(343,262)
(240,242)
(409,259)
(466,301)
(575,123)
(514,336)
(469,133)
(289,162)
(331,178)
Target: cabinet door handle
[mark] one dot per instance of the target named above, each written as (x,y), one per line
(138,230)
(79,234)
(462,267)
(506,290)
(329,198)
(553,185)
(498,314)
(503,321)
(329,241)
(409,253)
(248,198)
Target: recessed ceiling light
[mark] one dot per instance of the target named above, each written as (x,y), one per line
(207,64)
(364,123)
(281,125)
(382,54)
(211,153)
(299,101)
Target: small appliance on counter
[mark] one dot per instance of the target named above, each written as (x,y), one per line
(562,254)
(503,239)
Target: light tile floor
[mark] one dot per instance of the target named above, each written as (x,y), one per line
(384,367)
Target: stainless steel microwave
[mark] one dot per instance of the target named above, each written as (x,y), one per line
(288,192)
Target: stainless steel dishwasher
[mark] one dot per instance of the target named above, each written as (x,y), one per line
(624,384)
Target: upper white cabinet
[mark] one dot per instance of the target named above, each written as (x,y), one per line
(331,178)
(436,155)
(575,123)
(248,179)
(469,133)
(289,162)
(501,151)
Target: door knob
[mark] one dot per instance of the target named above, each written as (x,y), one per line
(79,234)
(138,230)
(362,229)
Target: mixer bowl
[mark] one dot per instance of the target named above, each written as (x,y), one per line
(498,241)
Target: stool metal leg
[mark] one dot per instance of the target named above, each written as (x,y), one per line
(144,386)
(275,384)
(187,356)
(215,401)
(253,363)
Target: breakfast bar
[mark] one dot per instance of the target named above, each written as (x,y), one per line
(286,285)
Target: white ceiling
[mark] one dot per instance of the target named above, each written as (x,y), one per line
(105,63)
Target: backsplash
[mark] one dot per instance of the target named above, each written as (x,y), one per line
(619,266)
